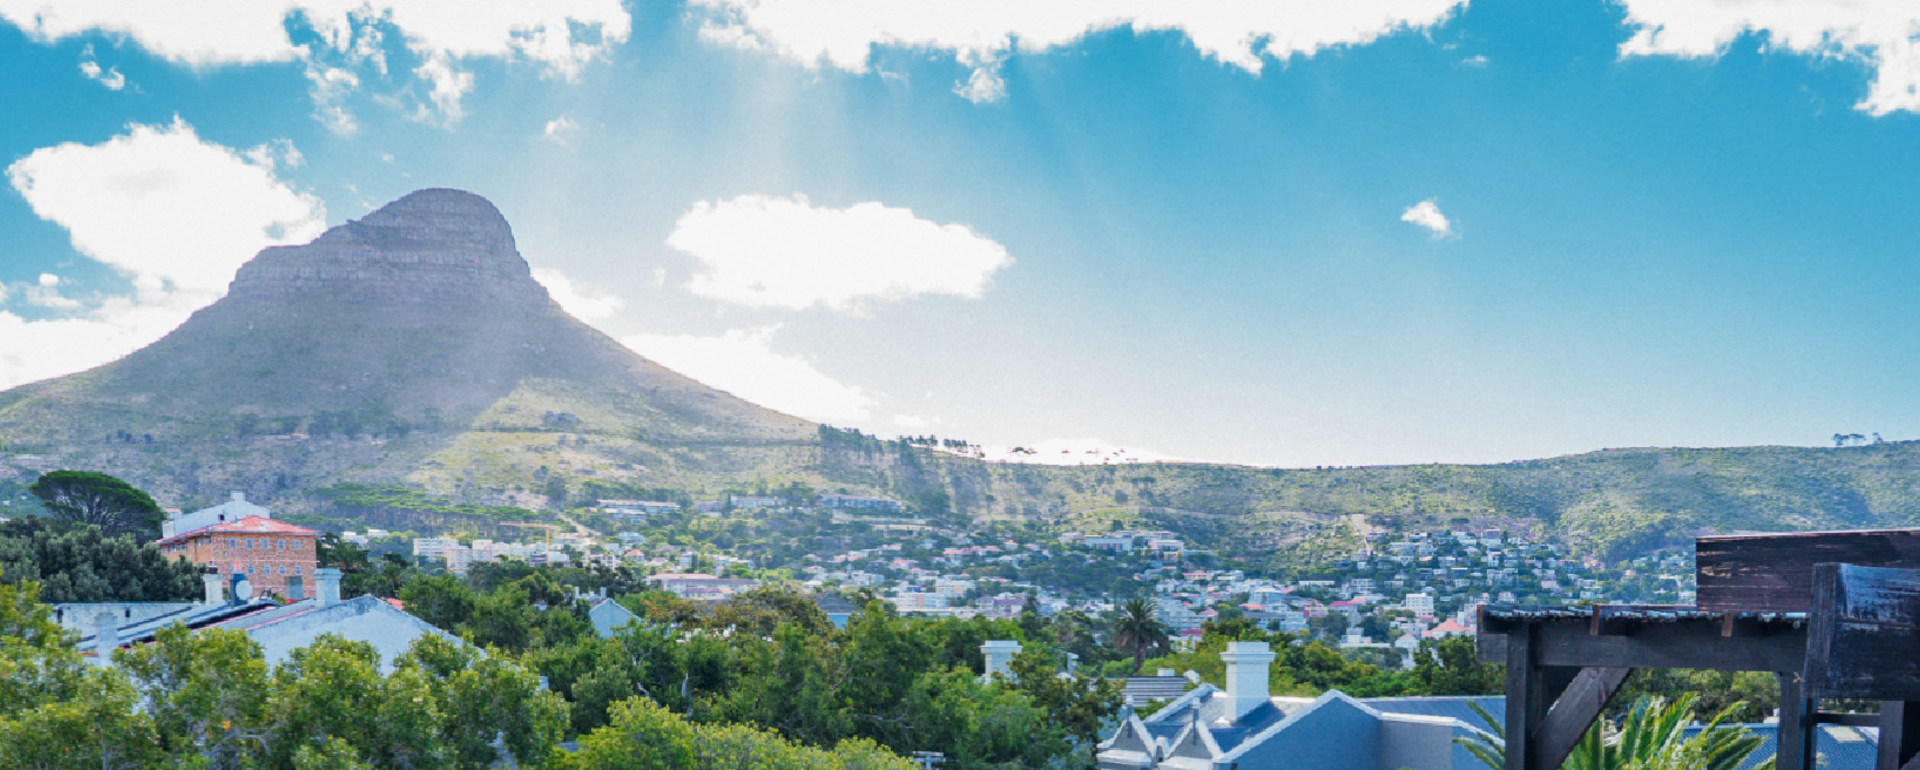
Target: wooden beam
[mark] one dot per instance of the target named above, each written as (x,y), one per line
(1864,637)
(1774,573)
(1684,644)
(1795,747)
(1573,713)
(1849,719)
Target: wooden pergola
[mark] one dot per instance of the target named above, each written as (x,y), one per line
(1832,614)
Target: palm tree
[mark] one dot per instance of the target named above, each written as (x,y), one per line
(1653,736)
(1138,632)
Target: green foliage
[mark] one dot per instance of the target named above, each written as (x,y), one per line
(365,498)
(1139,632)
(76,563)
(87,497)
(1451,666)
(1651,736)
(56,711)
(1080,705)
(643,736)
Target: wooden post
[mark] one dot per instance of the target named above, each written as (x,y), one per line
(1899,734)
(1796,748)
(1526,695)
(1574,713)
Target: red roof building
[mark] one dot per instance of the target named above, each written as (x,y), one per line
(277,557)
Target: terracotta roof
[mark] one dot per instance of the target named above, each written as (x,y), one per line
(251,525)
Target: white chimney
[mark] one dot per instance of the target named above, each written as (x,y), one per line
(238,497)
(214,594)
(1246,675)
(327,586)
(999,654)
(106,635)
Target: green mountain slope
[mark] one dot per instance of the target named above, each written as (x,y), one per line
(411,350)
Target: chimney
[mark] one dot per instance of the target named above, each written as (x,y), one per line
(106,635)
(238,497)
(1246,675)
(999,654)
(211,579)
(296,590)
(326,586)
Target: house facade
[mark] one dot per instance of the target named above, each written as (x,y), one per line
(276,557)
(1244,728)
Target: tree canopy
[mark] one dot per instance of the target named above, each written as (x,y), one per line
(76,563)
(106,502)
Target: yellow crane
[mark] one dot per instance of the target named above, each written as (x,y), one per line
(550,528)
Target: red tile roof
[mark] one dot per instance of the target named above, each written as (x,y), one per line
(251,525)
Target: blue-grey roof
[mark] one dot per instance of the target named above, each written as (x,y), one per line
(1457,707)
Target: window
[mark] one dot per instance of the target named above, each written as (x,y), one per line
(280,544)
(249,569)
(232,543)
(296,570)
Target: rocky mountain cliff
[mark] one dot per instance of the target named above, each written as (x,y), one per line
(381,352)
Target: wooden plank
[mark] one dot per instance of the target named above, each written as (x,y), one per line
(1692,644)
(1864,637)
(1774,573)
(1849,719)
(1899,735)
(1795,748)
(1573,713)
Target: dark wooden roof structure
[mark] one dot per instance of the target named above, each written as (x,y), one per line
(1832,614)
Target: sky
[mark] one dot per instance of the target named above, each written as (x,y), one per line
(1286,233)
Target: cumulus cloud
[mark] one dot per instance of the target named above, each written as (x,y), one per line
(743,362)
(1883,33)
(764,251)
(1427,214)
(577,303)
(174,214)
(109,77)
(561,35)
(843,33)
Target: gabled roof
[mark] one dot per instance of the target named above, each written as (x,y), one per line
(251,525)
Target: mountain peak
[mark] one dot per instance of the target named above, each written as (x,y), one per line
(430,245)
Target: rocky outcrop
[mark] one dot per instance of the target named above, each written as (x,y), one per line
(432,246)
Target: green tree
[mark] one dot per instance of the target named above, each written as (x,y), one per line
(76,563)
(1139,632)
(1080,705)
(1452,666)
(57,712)
(207,691)
(106,502)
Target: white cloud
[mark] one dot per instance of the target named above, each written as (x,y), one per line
(173,213)
(560,127)
(1883,33)
(1427,214)
(843,33)
(742,362)
(1085,451)
(110,77)
(49,279)
(577,303)
(561,35)
(784,252)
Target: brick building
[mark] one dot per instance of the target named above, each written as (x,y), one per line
(277,557)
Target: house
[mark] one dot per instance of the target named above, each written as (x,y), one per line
(280,629)
(240,538)
(1244,728)
(859,502)
(698,586)
(608,616)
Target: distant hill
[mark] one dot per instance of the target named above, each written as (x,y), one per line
(405,369)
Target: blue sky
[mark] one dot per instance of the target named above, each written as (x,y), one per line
(1408,231)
